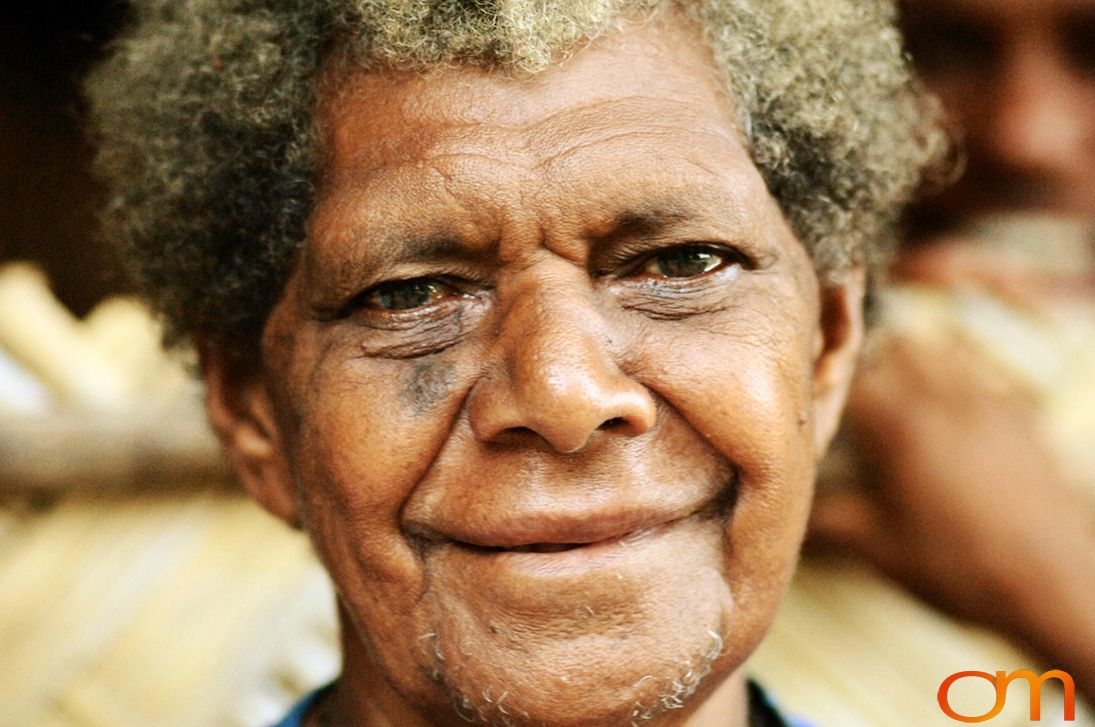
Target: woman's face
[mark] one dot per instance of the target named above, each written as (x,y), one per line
(546,387)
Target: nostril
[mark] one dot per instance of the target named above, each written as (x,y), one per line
(514,435)
(613,423)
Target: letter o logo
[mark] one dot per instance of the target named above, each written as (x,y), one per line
(943,695)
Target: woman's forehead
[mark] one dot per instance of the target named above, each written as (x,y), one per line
(665,60)
(636,124)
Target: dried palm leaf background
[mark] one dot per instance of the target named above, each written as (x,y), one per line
(139,587)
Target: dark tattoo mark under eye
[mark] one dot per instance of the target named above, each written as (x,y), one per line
(426,384)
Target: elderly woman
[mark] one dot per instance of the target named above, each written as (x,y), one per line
(536,317)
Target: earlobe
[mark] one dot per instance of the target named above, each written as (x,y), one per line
(840,338)
(242,414)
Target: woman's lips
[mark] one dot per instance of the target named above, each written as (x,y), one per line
(549,547)
(547,532)
(539,539)
(541,565)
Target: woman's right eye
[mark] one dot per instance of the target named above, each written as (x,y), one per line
(402,295)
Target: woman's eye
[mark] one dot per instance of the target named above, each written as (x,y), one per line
(686,261)
(405,294)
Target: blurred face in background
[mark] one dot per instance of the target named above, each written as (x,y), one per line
(1018,78)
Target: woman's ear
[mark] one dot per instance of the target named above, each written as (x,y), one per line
(840,338)
(239,406)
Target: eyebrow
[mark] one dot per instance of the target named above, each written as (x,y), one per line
(422,248)
(397,246)
(643,222)
(377,251)
(629,223)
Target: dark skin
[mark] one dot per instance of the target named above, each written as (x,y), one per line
(426,385)
(546,389)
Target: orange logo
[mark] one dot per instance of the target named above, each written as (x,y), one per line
(1001,682)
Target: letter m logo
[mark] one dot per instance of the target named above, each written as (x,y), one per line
(1001,682)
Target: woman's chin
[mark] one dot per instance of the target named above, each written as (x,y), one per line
(628,652)
(589,688)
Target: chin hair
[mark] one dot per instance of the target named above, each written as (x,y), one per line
(651,696)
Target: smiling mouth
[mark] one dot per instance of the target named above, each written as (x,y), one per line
(601,536)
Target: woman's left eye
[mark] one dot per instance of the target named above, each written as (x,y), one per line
(405,294)
(685,261)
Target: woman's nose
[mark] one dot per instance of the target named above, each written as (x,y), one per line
(555,375)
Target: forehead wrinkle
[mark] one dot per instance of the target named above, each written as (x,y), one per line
(362,173)
(670,166)
(525,101)
(601,121)
(563,155)
(425,225)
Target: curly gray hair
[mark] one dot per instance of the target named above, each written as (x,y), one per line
(205,112)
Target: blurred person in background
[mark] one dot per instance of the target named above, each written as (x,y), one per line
(1018,79)
(973,417)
